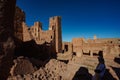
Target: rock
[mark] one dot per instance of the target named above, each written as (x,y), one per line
(21,66)
(7,9)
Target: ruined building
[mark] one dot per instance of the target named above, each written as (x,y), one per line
(16,37)
(81,46)
(51,37)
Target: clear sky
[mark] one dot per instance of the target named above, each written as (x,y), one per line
(80,18)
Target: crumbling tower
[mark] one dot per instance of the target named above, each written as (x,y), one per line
(55,25)
(36,29)
(18,20)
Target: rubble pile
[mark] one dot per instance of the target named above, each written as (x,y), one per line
(53,70)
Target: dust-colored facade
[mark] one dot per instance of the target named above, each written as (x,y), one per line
(81,46)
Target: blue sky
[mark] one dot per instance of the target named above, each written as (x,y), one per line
(80,18)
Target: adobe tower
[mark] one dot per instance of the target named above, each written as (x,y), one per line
(55,24)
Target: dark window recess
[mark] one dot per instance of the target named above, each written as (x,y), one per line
(52,27)
(51,37)
(66,47)
(28,28)
(110,41)
(74,53)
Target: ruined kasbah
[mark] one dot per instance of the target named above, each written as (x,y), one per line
(30,53)
(53,38)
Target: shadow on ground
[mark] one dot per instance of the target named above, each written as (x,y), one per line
(117,60)
(108,76)
(82,74)
(117,71)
